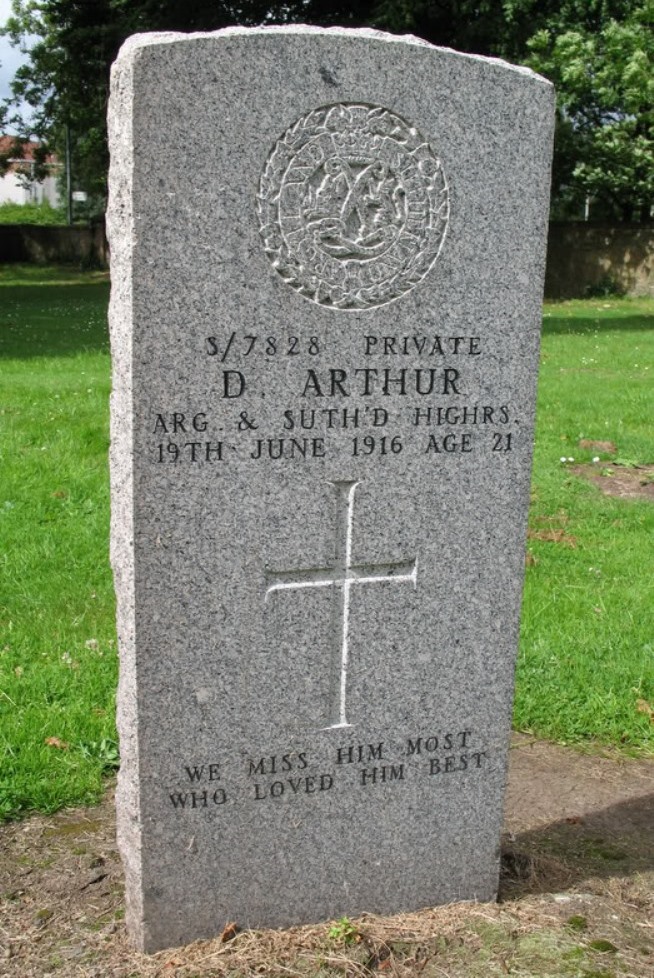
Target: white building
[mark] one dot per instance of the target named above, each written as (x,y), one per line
(17,185)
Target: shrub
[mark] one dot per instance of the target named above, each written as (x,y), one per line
(31,214)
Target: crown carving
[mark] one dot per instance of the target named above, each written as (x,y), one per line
(356,143)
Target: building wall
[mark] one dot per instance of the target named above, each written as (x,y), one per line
(15,189)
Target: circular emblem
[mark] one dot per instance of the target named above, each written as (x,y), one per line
(353,206)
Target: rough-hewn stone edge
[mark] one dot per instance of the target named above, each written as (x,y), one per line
(120,233)
(121,236)
(139,41)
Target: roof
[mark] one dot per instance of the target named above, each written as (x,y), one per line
(20,160)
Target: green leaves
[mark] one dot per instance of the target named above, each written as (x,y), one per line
(598,53)
(605,96)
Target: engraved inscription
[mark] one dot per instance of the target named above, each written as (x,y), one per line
(343,576)
(353,206)
(310,774)
(417,394)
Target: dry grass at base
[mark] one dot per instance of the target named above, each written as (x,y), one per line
(62,908)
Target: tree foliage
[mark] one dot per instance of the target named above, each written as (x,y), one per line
(605,121)
(597,52)
(74,42)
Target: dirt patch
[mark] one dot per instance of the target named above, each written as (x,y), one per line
(609,447)
(577,895)
(553,536)
(555,530)
(628,482)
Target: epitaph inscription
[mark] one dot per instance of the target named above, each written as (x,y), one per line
(353,206)
(292,775)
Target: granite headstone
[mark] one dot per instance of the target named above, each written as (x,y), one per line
(327,258)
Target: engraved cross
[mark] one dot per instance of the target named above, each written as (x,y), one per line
(343,576)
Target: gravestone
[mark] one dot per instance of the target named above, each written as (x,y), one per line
(327,263)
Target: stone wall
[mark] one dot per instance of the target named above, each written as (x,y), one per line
(77,245)
(583,257)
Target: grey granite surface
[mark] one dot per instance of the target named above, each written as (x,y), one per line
(327,264)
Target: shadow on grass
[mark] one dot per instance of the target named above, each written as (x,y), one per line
(53,320)
(571,325)
(613,841)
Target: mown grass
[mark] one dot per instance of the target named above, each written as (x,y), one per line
(57,632)
(24,274)
(586,665)
(586,662)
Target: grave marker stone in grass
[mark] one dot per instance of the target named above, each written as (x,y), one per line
(327,251)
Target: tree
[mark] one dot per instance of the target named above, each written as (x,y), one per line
(67,78)
(605,111)
(66,81)
(597,52)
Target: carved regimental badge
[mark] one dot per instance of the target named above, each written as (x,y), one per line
(353,206)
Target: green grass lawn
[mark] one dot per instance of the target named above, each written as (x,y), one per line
(586,663)
(586,666)
(57,631)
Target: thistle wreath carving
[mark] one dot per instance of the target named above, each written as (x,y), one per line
(353,206)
